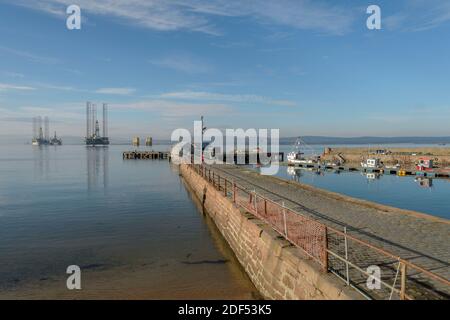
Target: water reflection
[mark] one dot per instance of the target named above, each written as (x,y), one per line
(370,176)
(135,238)
(294,174)
(424,182)
(424,194)
(41,161)
(97,167)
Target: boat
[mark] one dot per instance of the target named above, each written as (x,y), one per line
(371,163)
(395,166)
(296,156)
(425,164)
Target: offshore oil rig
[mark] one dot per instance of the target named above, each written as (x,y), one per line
(41,136)
(93,136)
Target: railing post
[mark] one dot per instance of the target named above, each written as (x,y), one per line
(346,256)
(403,271)
(234,192)
(214,180)
(265,207)
(325,245)
(284,219)
(256,203)
(225,187)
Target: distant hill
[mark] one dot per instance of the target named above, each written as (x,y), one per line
(318,140)
(366,140)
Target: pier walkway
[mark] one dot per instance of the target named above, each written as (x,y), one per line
(417,238)
(146,155)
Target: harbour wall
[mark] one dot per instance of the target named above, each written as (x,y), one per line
(405,156)
(277,269)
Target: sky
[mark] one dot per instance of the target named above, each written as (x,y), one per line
(305,67)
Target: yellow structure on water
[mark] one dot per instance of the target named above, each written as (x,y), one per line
(136,141)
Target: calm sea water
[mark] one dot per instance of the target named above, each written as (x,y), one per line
(430,196)
(130,225)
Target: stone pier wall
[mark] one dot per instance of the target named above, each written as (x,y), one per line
(277,269)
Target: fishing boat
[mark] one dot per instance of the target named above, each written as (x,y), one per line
(395,166)
(297,157)
(373,163)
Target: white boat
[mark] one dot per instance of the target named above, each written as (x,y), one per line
(396,166)
(296,157)
(371,163)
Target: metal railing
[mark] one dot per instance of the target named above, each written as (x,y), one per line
(334,250)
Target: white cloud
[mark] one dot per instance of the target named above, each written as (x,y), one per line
(29,56)
(7,87)
(116,91)
(57,87)
(419,15)
(237,98)
(195,15)
(173,109)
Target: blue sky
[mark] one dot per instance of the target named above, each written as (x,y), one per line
(306,67)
